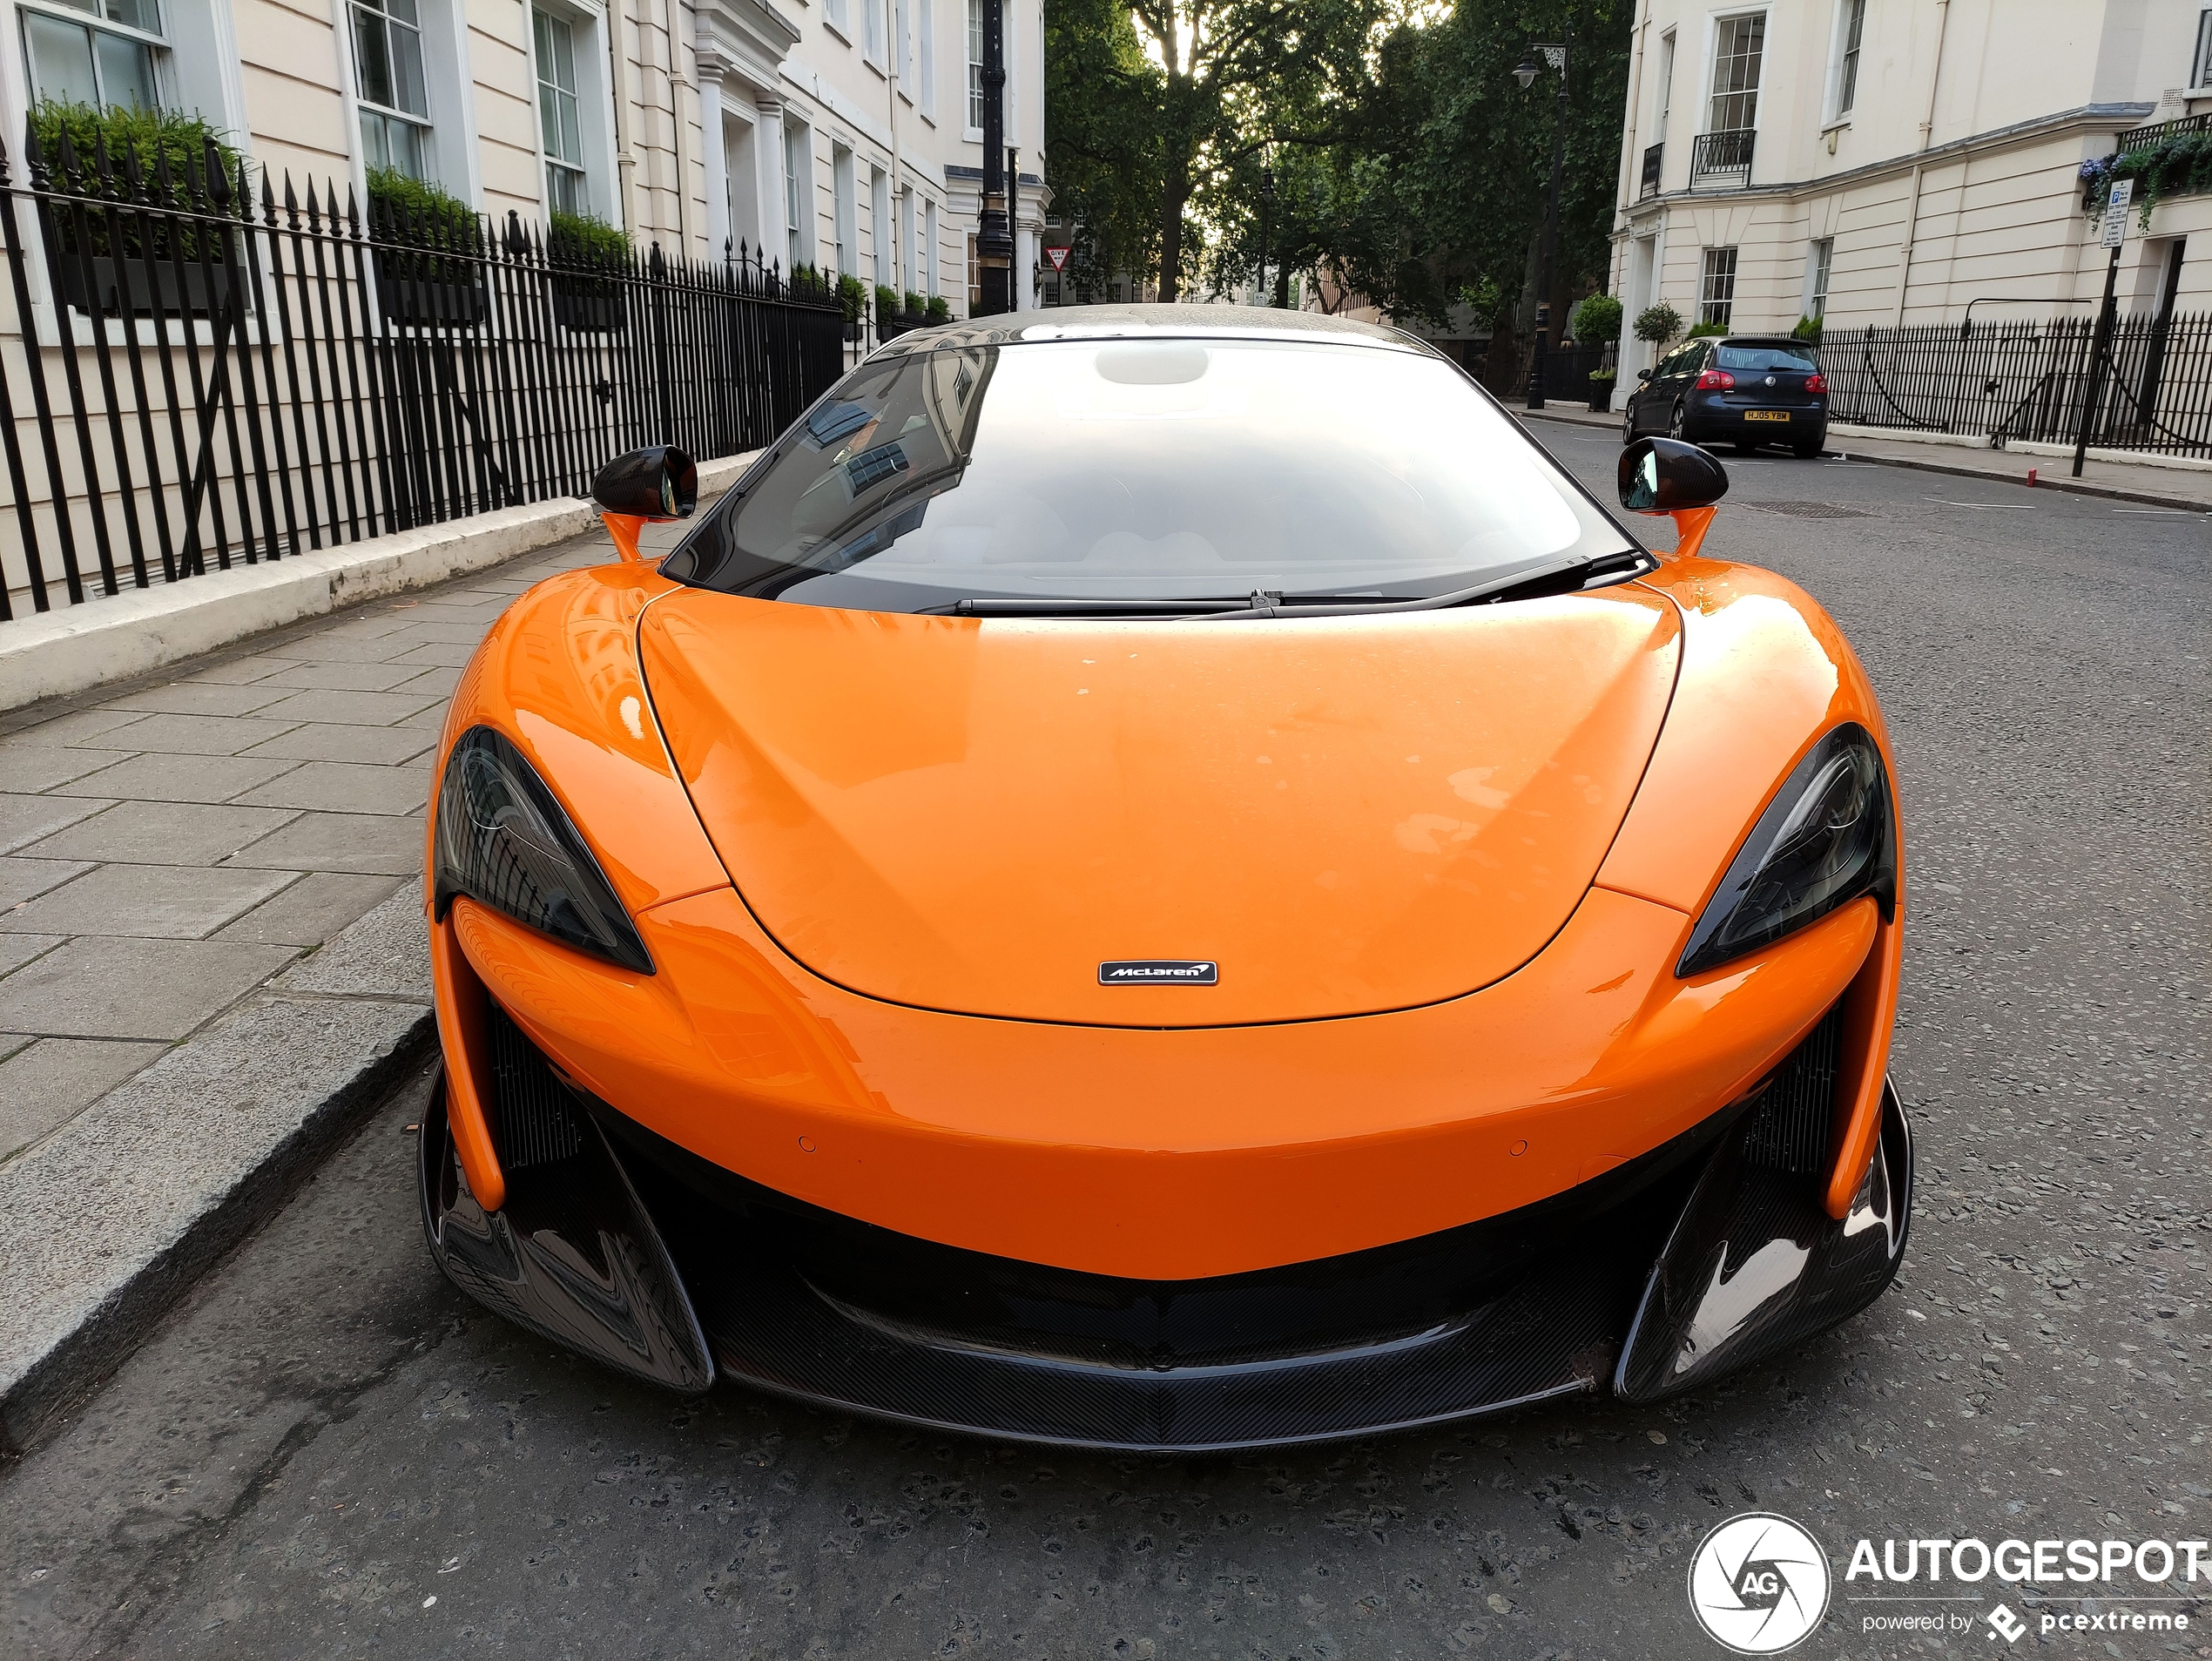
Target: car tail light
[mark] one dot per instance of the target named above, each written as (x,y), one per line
(1716,381)
(1816,383)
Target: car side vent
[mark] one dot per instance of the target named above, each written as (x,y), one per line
(1791,1128)
(537,1113)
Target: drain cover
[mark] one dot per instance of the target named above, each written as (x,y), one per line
(1811,509)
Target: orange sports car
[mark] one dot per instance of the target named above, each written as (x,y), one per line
(1163,879)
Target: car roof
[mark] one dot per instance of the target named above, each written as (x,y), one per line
(1126,321)
(1789,341)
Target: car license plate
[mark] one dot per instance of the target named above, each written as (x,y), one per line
(1766,414)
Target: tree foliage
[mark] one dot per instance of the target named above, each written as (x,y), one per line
(1408,167)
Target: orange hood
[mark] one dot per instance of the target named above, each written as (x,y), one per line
(1344,814)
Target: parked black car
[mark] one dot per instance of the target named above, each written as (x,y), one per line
(1743,389)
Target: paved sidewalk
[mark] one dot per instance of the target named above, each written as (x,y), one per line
(168,846)
(2185,488)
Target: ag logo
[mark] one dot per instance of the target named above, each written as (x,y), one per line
(1758,1583)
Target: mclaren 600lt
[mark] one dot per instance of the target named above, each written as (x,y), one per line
(1164,879)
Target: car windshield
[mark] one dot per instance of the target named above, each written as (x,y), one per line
(1121,469)
(1766,357)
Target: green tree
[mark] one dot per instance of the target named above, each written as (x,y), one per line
(1152,103)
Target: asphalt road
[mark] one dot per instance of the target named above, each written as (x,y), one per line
(326,1451)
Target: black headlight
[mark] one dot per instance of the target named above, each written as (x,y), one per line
(1826,839)
(505,842)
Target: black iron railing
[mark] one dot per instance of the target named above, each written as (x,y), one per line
(1653,155)
(2030,381)
(211,372)
(2158,132)
(1721,159)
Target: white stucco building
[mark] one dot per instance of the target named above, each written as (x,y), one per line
(1888,161)
(840,133)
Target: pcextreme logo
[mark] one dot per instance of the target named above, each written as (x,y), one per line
(1759,1584)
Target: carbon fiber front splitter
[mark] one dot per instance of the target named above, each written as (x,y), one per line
(1676,1268)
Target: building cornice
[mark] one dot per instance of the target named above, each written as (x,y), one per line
(2089,117)
(745,39)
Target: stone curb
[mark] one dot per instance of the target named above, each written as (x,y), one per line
(74,647)
(2072,487)
(107,1222)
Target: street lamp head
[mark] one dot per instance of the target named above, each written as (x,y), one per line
(1524,70)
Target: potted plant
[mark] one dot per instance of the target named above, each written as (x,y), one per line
(1656,325)
(1598,322)
(852,295)
(588,259)
(429,248)
(164,260)
(941,310)
(891,318)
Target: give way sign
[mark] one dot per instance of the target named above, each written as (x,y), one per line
(1059,258)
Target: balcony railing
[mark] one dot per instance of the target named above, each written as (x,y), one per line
(2145,137)
(1722,160)
(1652,156)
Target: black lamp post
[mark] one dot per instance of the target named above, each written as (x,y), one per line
(1266,210)
(994,225)
(1547,250)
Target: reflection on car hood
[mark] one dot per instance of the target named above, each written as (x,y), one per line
(1343,815)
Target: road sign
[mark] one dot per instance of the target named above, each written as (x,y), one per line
(1059,258)
(2115,220)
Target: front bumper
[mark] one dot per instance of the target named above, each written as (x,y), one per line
(1656,1276)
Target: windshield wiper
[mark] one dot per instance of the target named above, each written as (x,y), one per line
(1268,602)
(973,607)
(1266,605)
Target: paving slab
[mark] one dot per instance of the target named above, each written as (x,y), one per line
(434,682)
(16,950)
(25,820)
(346,788)
(30,768)
(49,1080)
(384,745)
(315,648)
(341,677)
(149,901)
(20,879)
(11,1041)
(78,727)
(160,832)
(441,656)
(312,910)
(193,734)
(348,709)
(238,672)
(387,954)
(368,843)
(199,698)
(174,778)
(95,986)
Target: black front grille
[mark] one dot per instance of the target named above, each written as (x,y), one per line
(534,1114)
(1794,1123)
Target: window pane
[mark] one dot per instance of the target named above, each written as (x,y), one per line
(126,70)
(407,141)
(571,130)
(974,62)
(407,70)
(563,66)
(564,187)
(61,59)
(405,11)
(135,14)
(372,58)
